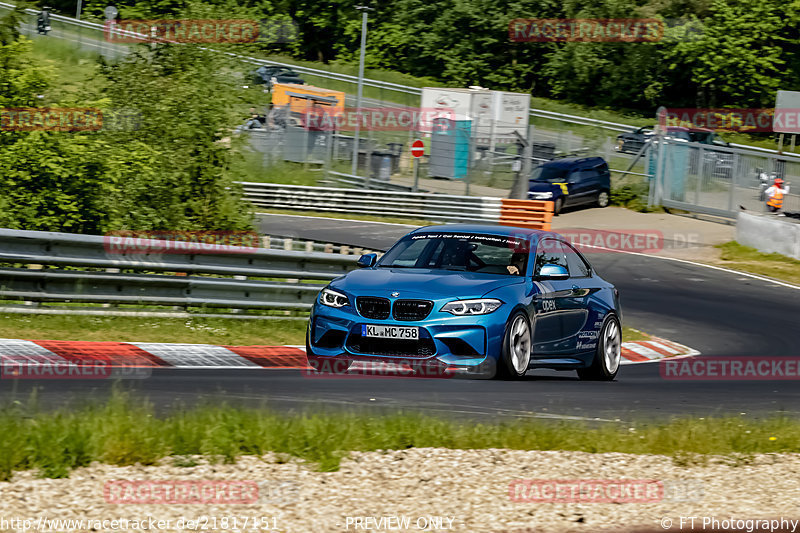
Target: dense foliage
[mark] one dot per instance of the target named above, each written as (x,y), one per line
(165,167)
(738,53)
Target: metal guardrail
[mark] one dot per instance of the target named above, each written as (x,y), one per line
(339,178)
(426,206)
(133,278)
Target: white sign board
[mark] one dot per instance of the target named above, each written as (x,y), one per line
(508,110)
(787,112)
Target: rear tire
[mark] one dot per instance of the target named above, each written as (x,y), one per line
(607,355)
(516,352)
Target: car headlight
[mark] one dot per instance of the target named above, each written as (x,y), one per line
(333,298)
(542,195)
(480,306)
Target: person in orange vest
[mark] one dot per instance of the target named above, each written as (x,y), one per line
(775,195)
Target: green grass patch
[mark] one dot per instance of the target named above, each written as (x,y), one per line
(230,331)
(73,67)
(252,167)
(630,334)
(125,432)
(738,257)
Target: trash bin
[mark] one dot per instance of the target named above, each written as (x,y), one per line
(396,150)
(381,165)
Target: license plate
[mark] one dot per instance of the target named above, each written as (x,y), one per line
(390,332)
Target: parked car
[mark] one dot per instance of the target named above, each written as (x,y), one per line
(267,75)
(571,181)
(632,142)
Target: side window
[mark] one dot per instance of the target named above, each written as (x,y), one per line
(549,252)
(574,176)
(576,264)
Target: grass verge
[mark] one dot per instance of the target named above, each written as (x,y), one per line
(230,331)
(738,257)
(630,334)
(125,432)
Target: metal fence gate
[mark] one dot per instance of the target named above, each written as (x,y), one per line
(717,180)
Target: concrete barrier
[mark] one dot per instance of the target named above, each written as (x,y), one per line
(769,233)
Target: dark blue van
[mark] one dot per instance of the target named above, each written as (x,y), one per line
(571,181)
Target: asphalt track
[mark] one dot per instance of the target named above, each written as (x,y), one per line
(719,313)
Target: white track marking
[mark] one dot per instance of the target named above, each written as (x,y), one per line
(642,350)
(662,346)
(196,355)
(28,352)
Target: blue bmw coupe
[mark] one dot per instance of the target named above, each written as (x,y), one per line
(489,300)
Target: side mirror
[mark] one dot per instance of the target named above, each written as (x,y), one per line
(367,260)
(553,272)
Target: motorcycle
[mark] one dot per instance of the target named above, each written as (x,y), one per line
(764,182)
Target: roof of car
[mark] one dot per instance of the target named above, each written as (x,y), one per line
(482,229)
(572,161)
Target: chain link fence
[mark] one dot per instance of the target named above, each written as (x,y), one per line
(719,181)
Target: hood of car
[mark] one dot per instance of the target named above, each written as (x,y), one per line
(429,284)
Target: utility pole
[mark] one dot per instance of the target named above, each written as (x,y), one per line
(364,10)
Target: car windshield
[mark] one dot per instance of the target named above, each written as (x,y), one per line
(548,173)
(490,254)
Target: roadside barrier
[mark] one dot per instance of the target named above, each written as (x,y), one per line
(533,214)
(112,271)
(401,204)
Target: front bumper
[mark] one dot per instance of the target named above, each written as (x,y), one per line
(443,338)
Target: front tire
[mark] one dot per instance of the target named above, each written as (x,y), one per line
(607,355)
(602,199)
(516,353)
(559,203)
